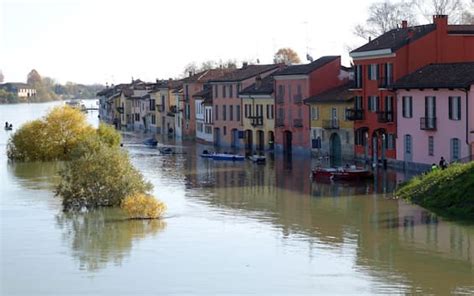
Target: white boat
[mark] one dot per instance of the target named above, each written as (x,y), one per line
(224,156)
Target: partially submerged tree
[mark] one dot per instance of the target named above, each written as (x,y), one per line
(101,177)
(286,56)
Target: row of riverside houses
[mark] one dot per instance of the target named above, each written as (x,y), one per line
(407,101)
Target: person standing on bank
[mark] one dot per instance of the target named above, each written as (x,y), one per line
(442,163)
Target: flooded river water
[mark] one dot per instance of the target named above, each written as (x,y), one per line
(230,228)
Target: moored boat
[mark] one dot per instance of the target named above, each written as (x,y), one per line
(343,174)
(260,159)
(151,142)
(207,154)
(224,156)
(166,150)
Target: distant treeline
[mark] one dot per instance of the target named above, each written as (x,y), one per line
(47,89)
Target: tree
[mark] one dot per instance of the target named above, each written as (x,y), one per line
(286,56)
(1,77)
(100,178)
(33,78)
(383,17)
(456,10)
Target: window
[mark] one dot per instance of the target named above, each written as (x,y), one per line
(430,107)
(388,74)
(246,111)
(225,130)
(199,127)
(272,112)
(281,91)
(455,149)
(281,114)
(237,112)
(358,103)
(391,141)
(348,137)
(216,112)
(231,94)
(358,76)
(298,91)
(430,146)
(231,112)
(373,72)
(216,93)
(313,113)
(224,91)
(373,103)
(153,119)
(186,92)
(289,91)
(455,108)
(407,107)
(407,144)
(224,111)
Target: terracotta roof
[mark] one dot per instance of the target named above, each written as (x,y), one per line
(306,68)
(396,38)
(264,88)
(338,94)
(246,73)
(207,75)
(449,75)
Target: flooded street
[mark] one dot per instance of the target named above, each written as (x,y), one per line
(230,228)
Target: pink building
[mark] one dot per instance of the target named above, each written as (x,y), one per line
(294,84)
(228,124)
(436,115)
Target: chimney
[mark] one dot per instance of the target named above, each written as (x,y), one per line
(258,82)
(190,73)
(244,65)
(441,22)
(404,24)
(370,39)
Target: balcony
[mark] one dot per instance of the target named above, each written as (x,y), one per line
(355,114)
(280,99)
(256,121)
(385,116)
(298,122)
(428,123)
(298,99)
(331,124)
(385,82)
(279,122)
(160,108)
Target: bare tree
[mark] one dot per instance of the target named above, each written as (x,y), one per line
(287,56)
(458,11)
(383,17)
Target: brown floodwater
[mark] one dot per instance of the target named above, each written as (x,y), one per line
(230,228)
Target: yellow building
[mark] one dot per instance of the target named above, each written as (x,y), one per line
(332,134)
(258,114)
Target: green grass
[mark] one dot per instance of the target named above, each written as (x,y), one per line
(449,192)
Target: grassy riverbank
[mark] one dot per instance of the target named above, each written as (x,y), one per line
(447,192)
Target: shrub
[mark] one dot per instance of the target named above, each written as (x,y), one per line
(101,177)
(140,206)
(108,135)
(28,143)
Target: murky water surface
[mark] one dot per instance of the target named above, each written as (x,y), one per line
(233,228)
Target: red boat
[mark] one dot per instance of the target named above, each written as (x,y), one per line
(344,174)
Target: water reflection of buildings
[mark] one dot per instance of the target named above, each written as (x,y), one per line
(400,245)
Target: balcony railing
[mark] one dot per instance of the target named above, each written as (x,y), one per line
(298,122)
(355,114)
(385,82)
(385,116)
(298,99)
(331,124)
(428,123)
(279,122)
(280,99)
(256,120)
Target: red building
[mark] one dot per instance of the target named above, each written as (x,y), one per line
(387,58)
(192,85)
(294,84)
(228,120)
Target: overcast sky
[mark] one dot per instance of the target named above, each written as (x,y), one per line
(99,41)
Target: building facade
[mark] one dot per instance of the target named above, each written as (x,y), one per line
(292,85)
(436,117)
(388,58)
(228,123)
(332,134)
(258,116)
